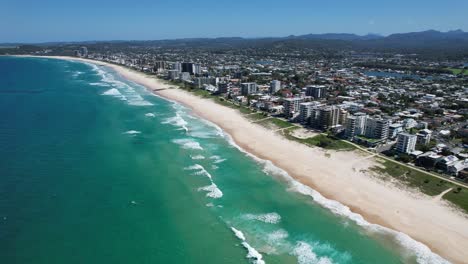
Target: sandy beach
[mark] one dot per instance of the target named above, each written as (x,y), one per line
(339,176)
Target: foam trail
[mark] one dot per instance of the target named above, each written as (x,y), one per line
(194,167)
(177,121)
(132,132)
(270,218)
(188,144)
(217,159)
(305,254)
(126,90)
(197,157)
(99,84)
(113,92)
(252,253)
(150,115)
(213,191)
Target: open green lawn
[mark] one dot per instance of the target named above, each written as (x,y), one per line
(257,116)
(322,141)
(425,183)
(458,71)
(274,123)
(459,198)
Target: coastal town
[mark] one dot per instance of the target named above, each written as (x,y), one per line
(397,106)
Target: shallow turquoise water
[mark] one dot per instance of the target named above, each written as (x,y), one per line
(94,169)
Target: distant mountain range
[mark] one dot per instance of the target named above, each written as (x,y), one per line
(431,43)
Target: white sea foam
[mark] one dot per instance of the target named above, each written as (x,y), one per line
(177,121)
(217,159)
(270,218)
(150,115)
(277,236)
(132,132)
(197,157)
(422,252)
(99,84)
(195,167)
(200,170)
(113,92)
(77,73)
(252,253)
(139,102)
(125,90)
(213,191)
(188,144)
(306,255)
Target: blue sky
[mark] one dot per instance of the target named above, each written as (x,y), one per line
(64,20)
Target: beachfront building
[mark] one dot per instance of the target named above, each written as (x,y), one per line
(84,52)
(424,137)
(159,66)
(223,87)
(177,66)
(377,128)
(185,76)
(248,88)
(316,91)
(200,82)
(328,117)
(343,117)
(394,129)
(291,106)
(173,74)
(192,68)
(406,143)
(275,86)
(355,125)
(305,110)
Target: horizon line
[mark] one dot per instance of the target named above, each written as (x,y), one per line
(226,37)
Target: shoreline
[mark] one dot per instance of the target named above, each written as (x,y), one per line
(338,177)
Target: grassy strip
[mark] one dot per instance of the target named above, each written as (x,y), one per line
(322,141)
(424,182)
(257,116)
(458,197)
(274,123)
(458,71)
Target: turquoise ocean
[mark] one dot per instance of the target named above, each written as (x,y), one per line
(96,169)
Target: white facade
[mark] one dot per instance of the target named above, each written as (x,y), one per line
(305,110)
(275,86)
(248,88)
(406,143)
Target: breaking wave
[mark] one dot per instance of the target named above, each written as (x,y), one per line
(212,189)
(177,121)
(119,89)
(217,159)
(305,254)
(132,132)
(252,253)
(270,218)
(197,157)
(188,144)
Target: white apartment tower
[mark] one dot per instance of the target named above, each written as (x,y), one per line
(275,86)
(406,143)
